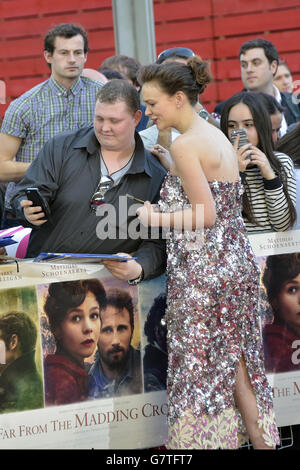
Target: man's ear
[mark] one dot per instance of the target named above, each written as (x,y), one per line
(13,342)
(274,67)
(48,57)
(137,117)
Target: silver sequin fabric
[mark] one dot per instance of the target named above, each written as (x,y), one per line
(212,320)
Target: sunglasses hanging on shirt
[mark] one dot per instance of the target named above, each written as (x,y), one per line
(105,183)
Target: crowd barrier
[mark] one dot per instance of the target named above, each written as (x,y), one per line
(128,420)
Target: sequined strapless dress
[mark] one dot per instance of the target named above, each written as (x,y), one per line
(212,319)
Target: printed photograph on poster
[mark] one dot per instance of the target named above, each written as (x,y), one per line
(280,312)
(152,298)
(278,255)
(99,360)
(90,340)
(21,384)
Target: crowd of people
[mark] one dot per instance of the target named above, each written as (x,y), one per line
(123,156)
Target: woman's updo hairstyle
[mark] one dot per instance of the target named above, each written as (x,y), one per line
(190,78)
(201,72)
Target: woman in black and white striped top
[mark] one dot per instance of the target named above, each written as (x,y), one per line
(270,186)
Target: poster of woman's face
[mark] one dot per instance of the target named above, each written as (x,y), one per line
(91,340)
(280,282)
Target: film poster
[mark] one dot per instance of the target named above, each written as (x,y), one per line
(110,394)
(82,359)
(278,255)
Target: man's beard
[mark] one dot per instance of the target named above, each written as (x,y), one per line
(115,363)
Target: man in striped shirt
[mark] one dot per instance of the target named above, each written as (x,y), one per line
(63,102)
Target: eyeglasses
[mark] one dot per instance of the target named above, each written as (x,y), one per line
(183,52)
(105,183)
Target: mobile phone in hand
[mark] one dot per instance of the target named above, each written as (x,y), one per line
(243,138)
(34,195)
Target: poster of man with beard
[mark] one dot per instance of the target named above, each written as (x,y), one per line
(117,367)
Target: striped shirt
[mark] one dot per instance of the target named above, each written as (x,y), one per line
(267,198)
(46,110)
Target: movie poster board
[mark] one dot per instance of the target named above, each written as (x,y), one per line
(277,255)
(135,419)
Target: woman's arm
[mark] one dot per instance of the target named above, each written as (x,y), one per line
(162,155)
(201,209)
(277,204)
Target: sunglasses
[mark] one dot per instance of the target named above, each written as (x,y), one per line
(183,52)
(97,199)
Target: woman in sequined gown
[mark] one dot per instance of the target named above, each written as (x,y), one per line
(218,393)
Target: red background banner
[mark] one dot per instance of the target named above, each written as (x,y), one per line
(215,29)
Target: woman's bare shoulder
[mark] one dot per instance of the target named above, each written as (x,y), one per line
(185,141)
(184,145)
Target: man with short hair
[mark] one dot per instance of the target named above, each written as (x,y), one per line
(63,102)
(20,383)
(85,176)
(117,367)
(259,63)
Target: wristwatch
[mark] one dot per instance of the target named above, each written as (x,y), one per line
(135,282)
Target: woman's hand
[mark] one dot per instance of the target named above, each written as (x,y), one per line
(163,155)
(148,215)
(250,155)
(261,160)
(243,154)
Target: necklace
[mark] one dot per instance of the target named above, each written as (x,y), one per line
(115,175)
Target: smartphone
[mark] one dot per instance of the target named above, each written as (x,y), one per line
(34,195)
(243,138)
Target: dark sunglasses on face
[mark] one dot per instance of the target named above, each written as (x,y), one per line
(105,183)
(183,52)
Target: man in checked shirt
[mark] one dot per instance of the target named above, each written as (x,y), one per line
(63,102)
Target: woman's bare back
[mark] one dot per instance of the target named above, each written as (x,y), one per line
(216,154)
